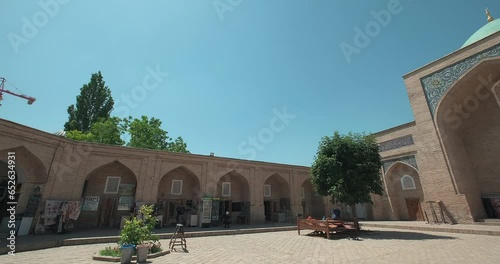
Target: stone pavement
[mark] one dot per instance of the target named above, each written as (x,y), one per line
(476,229)
(378,245)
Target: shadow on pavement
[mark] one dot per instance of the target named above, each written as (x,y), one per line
(381,235)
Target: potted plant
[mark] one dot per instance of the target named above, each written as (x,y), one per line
(139,232)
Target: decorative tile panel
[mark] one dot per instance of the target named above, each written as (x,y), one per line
(396,143)
(410,160)
(436,84)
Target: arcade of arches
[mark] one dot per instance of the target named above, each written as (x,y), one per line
(450,153)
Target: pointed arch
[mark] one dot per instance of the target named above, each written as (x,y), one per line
(234,186)
(113,165)
(115,184)
(399,196)
(397,164)
(276,192)
(470,75)
(467,121)
(179,183)
(312,203)
(29,167)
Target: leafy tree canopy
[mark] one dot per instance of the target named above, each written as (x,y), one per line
(89,120)
(347,167)
(106,131)
(146,133)
(94,102)
(178,145)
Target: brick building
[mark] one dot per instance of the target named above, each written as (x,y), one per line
(107,180)
(451,152)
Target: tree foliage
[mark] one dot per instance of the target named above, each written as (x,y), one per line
(90,121)
(80,136)
(94,102)
(139,231)
(178,145)
(106,131)
(147,133)
(347,167)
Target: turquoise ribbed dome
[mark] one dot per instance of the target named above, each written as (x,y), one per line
(487,30)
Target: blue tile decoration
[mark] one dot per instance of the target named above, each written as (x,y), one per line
(410,160)
(396,143)
(436,84)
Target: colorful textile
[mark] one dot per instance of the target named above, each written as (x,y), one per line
(73,209)
(50,212)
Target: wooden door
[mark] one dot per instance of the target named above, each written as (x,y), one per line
(107,212)
(414,211)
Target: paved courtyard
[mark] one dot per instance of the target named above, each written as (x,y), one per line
(380,245)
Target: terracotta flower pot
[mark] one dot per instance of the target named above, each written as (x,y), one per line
(142,252)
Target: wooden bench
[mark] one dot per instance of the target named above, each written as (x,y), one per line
(326,226)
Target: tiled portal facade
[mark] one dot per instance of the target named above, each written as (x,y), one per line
(452,149)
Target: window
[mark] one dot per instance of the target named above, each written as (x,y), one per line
(112,185)
(302,193)
(226,189)
(267,190)
(407,183)
(176,187)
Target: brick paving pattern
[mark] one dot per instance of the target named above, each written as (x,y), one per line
(380,245)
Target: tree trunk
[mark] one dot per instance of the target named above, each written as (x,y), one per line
(354,216)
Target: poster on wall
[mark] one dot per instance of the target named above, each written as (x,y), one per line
(207,210)
(126,189)
(125,203)
(90,203)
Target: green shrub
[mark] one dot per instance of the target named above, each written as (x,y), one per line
(155,248)
(140,231)
(111,252)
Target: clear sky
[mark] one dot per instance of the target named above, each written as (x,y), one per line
(219,73)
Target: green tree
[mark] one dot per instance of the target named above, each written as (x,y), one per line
(178,145)
(347,168)
(94,102)
(80,136)
(108,131)
(146,133)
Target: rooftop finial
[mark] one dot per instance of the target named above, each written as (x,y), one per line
(490,18)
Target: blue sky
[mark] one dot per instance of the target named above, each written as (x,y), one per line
(221,72)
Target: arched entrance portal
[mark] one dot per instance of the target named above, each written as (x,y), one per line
(276,199)
(179,197)
(234,193)
(109,193)
(30,178)
(312,203)
(405,192)
(468,121)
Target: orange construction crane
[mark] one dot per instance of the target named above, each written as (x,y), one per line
(2,90)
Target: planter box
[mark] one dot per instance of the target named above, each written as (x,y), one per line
(118,259)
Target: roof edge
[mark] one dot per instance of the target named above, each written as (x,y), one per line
(460,50)
(220,158)
(409,124)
